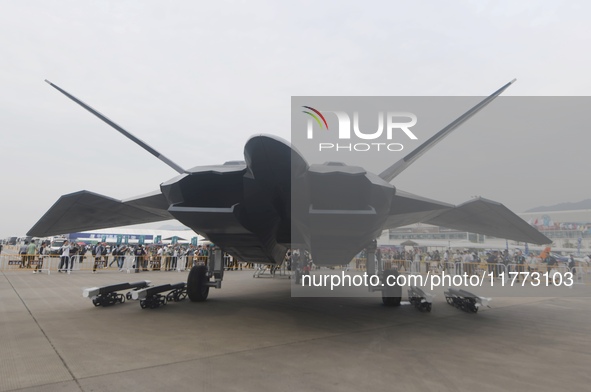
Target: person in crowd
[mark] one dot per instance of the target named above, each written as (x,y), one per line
(82,252)
(550,261)
(491,261)
(138,258)
(167,254)
(115,254)
(295,261)
(43,251)
(416,261)
(31,252)
(532,262)
(174,257)
(105,255)
(121,252)
(74,255)
(150,256)
(23,253)
(437,258)
(457,259)
(571,265)
(158,261)
(144,258)
(64,256)
(446,265)
(467,260)
(520,263)
(98,256)
(189,257)
(505,258)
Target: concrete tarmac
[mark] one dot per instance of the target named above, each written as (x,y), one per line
(252,336)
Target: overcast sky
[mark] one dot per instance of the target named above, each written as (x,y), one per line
(196,79)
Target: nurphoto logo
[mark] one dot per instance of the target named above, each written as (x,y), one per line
(396,124)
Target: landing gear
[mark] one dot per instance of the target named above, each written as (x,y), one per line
(202,277)
(197,284)
(391,293)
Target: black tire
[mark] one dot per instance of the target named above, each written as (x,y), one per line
(391,295)
(197,288)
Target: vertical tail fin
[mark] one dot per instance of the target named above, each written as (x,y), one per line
(398,167)
(128,135)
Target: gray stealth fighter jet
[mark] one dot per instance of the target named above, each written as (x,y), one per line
(274,200)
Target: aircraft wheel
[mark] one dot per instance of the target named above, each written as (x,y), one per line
(96,302)
(391,295)
(197,288)
(128,295)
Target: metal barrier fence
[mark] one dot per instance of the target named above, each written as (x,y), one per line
(581,273)
(51,263)
(401,265)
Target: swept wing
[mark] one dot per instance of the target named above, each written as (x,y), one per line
(478,215)
(84,210)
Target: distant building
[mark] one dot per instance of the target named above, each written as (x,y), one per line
(134,236)
(565,228)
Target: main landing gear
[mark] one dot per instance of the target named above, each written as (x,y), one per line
(391,292)
(202,277)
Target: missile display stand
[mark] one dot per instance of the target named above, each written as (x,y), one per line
(108,295)
(465,300)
